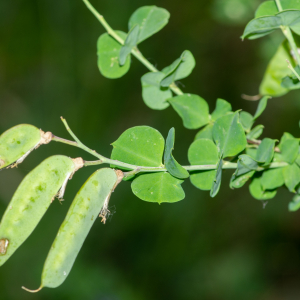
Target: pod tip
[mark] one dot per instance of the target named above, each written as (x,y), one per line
(31,291)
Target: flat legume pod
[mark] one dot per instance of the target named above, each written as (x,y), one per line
(30,202)
(17,142)
(77,224)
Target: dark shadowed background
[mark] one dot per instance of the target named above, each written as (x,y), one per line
(224,248)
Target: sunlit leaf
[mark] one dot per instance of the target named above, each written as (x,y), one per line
(295,204)
(154,95)
(158,187)
(269,8)
(150,19)
(108,50)
(276,70)
(192,109)
(203,152)
(291,82)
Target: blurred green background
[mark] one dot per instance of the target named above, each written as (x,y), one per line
(224,248)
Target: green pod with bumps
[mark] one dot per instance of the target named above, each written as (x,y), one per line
(17,142)
(91,200)
(31,200)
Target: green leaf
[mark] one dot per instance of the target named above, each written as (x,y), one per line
(272,179)
(237,182)
(269,8)
(265,151)
(295,204)
(140,145)
(130,42)
(262,26)
(108,50)
(246,167)
(291,176)
(289,150)
(179,69)
(246,120)
(217,181)
(255,132)
(257,191)
(261,106)
(192,109)
(291,82)
(150,19)
(285,136)
(173,167)
(222,108)
(203,152)
(251,152)
(153,94)
(17,142)
(276,70)
(229,135)
(205,133)
(158,187)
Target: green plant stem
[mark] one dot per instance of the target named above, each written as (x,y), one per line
(292,69)
(289,35)
(135,51)
(137,169)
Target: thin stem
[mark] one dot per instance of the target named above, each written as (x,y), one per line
(292,69)
(135,51)
(278,5)
(288,34)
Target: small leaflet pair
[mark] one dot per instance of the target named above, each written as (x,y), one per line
(37,191)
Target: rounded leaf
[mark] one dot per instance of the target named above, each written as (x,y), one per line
(108,51)
(158,187)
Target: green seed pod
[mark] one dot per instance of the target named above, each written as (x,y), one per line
(17,142)
(91,200)
(31,200)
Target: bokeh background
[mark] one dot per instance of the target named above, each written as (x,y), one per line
(224,248)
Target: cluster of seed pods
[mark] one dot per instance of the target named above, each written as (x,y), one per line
(37,191)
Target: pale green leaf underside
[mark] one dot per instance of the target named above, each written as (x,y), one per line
(192,109)
(154,95)
(150,19)
(172,166)
(217,181)
(158,187)
(130,42)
